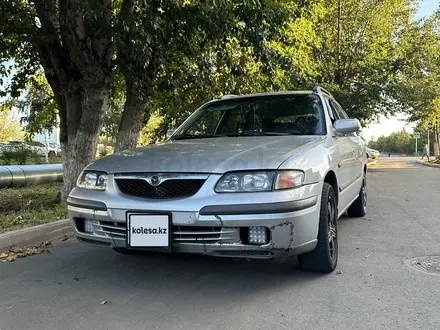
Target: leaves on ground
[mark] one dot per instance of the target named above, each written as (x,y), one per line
(17,252)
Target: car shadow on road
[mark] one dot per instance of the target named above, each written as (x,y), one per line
(198,265)
(183,272)
(152,285)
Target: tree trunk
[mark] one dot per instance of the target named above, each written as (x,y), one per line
(132,119)
(76,51)
(79,150)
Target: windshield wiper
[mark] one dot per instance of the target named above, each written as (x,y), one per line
(283,133)
(197,136)
(263,134)
(248,133)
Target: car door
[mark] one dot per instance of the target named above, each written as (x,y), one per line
(357,145)
(347,171)
(356,156)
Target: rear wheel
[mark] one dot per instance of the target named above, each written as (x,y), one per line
(325,256)
(359,206)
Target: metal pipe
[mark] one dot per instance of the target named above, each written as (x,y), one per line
(27,175)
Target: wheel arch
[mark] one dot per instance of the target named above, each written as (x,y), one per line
(331,179)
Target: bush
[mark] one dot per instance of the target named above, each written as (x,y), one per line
(35,158)
(18,156)
(103,151)
(7,157)
(21,156)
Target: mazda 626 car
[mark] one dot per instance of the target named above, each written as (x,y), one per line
(254,176)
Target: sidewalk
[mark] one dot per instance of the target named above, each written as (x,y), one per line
(36,234)
(426,163)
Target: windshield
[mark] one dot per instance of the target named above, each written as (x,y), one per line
(292,114)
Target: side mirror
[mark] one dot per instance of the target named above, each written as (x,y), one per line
(170,132)
(347,126)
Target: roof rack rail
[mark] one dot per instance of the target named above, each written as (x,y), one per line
(228,96)
(319,89)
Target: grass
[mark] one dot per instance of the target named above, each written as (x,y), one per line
(30,206)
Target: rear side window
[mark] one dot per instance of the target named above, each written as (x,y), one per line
(339,110)
(334,115)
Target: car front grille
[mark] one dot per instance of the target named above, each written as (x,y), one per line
(170,186)
(115,230)
(207,235)
(180,234)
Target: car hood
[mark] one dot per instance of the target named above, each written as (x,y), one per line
(209,155)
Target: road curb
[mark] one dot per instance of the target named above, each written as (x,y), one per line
(425,163)
(36,234)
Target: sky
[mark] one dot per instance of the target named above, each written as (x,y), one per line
(386,126)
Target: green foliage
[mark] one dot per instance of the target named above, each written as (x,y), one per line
(18,156)
(7,157)
(398,142)
(103,151)
(22,156)
(358,63)
(176,55)
(152,132)
(38,107)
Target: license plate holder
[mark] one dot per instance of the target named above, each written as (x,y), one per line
(150,231)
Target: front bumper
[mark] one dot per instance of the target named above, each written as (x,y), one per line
(216,229)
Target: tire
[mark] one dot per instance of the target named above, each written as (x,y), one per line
(359,206)
(324,258)
(51,154)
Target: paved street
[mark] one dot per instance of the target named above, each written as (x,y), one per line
(374,287)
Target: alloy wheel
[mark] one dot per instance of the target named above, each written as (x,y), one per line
(332,229)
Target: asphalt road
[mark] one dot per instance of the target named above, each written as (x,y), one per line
(374,287)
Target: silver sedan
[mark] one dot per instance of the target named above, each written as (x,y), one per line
(255,176)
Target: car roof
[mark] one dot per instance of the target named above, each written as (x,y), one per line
(231,96)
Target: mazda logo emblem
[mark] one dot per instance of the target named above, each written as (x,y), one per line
(155,180)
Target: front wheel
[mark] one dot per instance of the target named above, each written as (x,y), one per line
(325,256)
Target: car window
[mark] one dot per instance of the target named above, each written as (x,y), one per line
(341,113)
(207,123)
(298,114)
(332,110)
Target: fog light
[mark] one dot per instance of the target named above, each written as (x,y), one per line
(257,235)
(88,226)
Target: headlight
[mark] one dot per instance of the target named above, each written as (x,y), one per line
(259,181)
(93,180)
